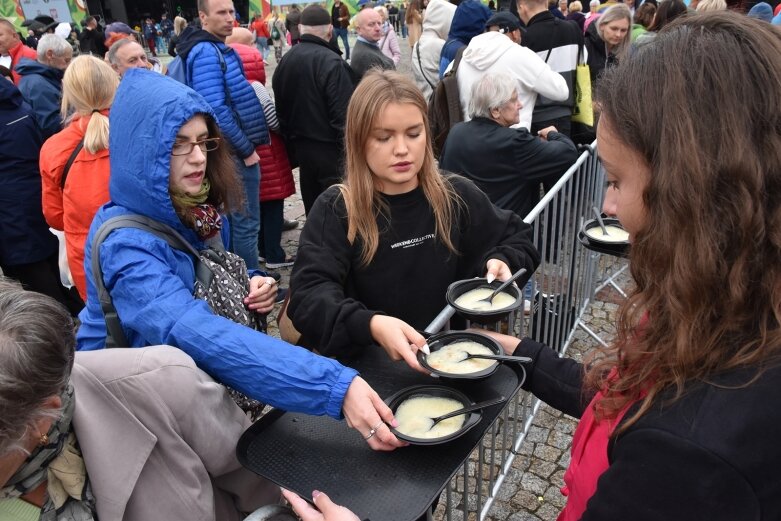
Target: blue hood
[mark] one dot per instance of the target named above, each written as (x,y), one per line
(147,113)
(27,66)
(469,21)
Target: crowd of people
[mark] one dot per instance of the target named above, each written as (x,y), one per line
(169,191)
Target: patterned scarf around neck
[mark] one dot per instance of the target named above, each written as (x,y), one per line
(196,213)
(59,462)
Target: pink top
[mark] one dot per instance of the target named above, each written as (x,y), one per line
(588,459)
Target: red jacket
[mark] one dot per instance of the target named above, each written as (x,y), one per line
(18,52)
(276,176)
(254,68)
(86,189)
(261,29)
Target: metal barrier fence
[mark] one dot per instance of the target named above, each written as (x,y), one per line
(561,290)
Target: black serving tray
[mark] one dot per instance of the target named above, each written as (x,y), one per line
(305,453)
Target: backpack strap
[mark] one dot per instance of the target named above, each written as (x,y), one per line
(71,159)
(115,334)
(456,115)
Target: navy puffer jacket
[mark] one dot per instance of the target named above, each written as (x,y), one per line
(24,234)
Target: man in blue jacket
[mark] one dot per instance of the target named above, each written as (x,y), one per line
(41,83)
(215,72)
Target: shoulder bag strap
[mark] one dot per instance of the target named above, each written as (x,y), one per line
(553,38)
(115,334)
(420,64)
(68,165)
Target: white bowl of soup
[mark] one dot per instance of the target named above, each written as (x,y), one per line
(616,235)
(449,355)
(464,296)
(415,407)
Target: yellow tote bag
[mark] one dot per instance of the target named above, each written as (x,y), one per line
(583,111)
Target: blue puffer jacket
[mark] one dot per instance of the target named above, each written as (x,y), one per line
(468,21)
(151,284)
(24,235)
(198,49)
(41,87)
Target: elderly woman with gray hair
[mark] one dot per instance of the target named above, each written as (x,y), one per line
(508,164)
(126,434)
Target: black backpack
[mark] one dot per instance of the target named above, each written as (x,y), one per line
(444,107)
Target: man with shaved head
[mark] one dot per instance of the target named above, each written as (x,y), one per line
(216,73)
(366,53)
(12,49)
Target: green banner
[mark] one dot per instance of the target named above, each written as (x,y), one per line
(78,10)
(254,7)
(12,11)
(352,5)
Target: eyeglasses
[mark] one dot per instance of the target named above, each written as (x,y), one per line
(183,148)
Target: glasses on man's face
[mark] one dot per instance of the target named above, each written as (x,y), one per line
(183,148)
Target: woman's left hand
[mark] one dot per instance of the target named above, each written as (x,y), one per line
(497,270)
(326,509)
(262,293)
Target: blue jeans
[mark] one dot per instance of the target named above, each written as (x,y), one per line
(262,45)
(342,33)
(245,225)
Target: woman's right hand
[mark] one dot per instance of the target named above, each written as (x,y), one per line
(365,412)
(399,339)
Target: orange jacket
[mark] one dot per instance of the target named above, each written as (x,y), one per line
(86,190)
(17,52)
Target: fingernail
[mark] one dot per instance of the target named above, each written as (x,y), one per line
(395,423)
(426,349)
(315,494)
(490,278)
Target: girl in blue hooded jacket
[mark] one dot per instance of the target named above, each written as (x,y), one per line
(169,163)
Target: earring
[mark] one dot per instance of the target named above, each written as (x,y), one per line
(43,440)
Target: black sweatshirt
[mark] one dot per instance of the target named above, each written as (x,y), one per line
(713,454)
(333,297)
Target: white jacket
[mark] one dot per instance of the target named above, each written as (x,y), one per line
(436,26)
(496,52)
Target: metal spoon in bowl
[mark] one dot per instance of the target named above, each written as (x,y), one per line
(503,358)
(506,283)
(599,220)
(459,412)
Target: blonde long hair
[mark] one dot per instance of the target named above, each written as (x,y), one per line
(89,86)
(359,190)
(179,25)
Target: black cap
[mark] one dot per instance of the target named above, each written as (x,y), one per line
(314,15)
(505,20)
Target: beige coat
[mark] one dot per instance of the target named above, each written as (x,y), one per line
(158,437)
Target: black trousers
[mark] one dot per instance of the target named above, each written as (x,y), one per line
(44,277)
(321,165)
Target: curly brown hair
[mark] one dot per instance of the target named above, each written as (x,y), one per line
(707,260)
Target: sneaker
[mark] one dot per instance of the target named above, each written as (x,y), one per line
(261,259)
(288,225)
(281,294)
(282,264)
